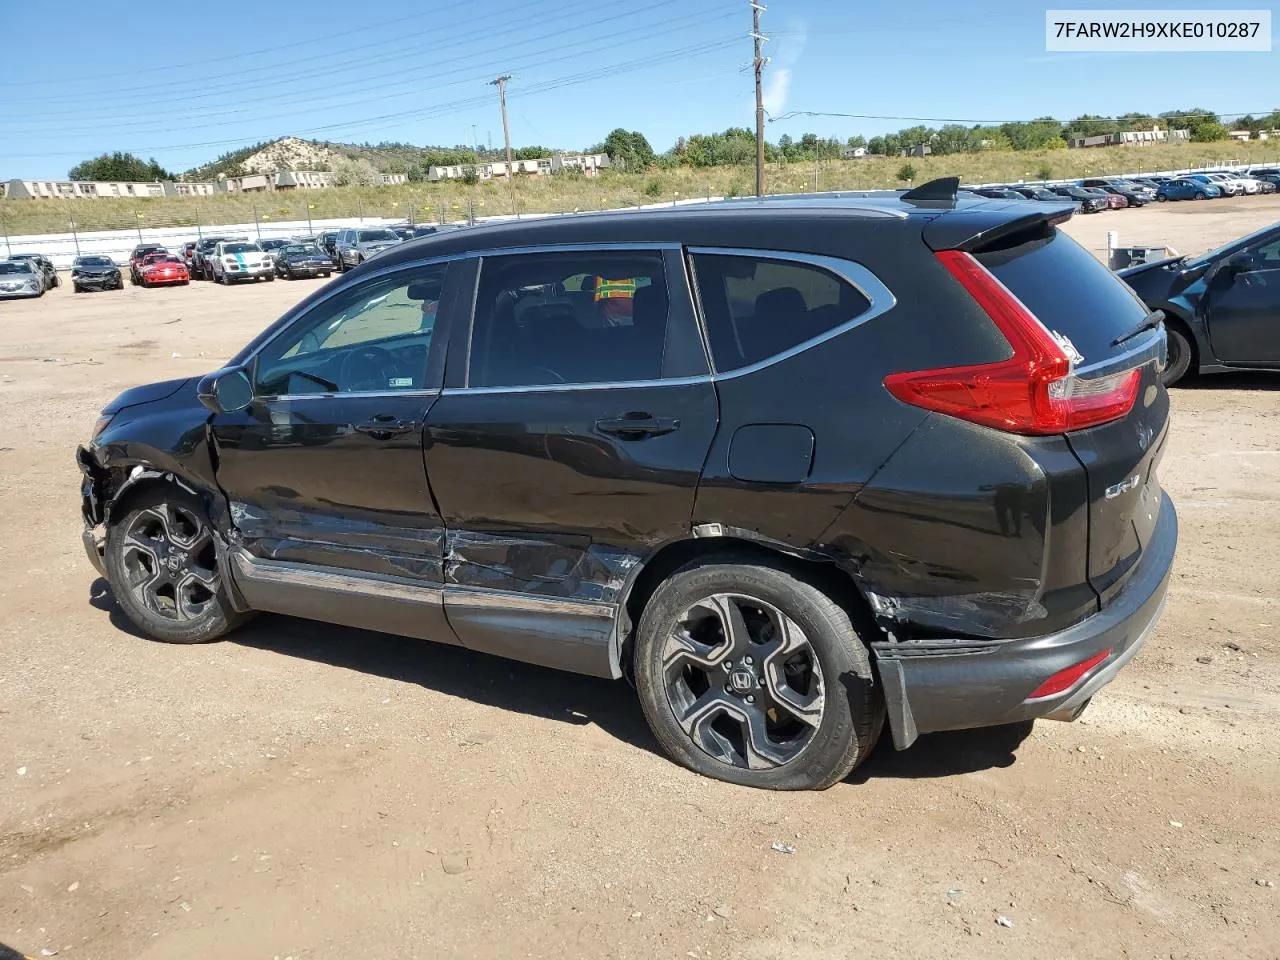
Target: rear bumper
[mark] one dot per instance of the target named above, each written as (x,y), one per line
(957,685)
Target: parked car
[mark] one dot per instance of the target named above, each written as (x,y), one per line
(1187,190)
(271,245)
(302,260)
(201,264)
(426,230)
(20,279)
(235,260)
(1135,194)
(1089,201)
(1228,186)
(1271,178)
(95,273)
(984,542)
(187,251)
(43,267)
(1115,201)
(1248,185)
(326,241)
(1221,309)
(163,269)
(999,193)
(140,253)
(1042,194)
(353,247)
(1266,185)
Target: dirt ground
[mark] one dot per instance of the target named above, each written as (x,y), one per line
(305,791)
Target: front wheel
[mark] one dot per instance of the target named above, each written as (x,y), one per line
(1201,196)
(749,674)
(1179,359)
(162,565)
(270,277)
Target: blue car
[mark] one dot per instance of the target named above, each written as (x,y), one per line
(1184,189)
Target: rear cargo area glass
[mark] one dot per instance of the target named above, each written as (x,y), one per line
(1070,291)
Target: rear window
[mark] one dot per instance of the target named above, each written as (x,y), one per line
(1069,290)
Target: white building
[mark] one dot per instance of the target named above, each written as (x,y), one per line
(588,163)
(89,189)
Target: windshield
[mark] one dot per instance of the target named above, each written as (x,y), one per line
(94,262)
(301,248)
(272,244)
(15,266)
(241,248)
(369,236)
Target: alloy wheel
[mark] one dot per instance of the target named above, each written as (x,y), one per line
(170,562)
(743,681)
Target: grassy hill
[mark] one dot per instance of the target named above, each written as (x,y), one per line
(424,202)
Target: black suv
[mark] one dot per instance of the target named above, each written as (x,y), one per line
(201,269)
(792,466)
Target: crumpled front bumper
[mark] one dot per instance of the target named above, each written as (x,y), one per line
(93,510)
(937,685)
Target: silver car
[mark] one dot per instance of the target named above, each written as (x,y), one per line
(19,279)
(354,246)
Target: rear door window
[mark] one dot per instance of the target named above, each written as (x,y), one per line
(569,318)
(1070,291)
(758,307)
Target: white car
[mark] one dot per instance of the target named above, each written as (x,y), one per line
(234,260)
(1233,185)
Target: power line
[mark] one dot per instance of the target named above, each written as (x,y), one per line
(410,79)
(444,109)
(187,65)
(870,116)
(254,88)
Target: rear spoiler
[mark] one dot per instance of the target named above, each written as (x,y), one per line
(983,226)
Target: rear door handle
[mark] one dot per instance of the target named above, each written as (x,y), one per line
(637,426)
(384,427)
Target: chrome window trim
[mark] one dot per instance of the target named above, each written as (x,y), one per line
(878,296)
(344,395)
(880,299)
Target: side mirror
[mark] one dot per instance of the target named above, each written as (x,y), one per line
(226,390)
(1239,263)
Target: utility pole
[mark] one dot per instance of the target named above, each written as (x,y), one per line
(501,84)
(758,63)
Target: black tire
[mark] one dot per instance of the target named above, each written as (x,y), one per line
(76,288)
(1201,196)
(326,274)
(1180,356)
(270,277)
(161,564)
(1161,197)
(845,709)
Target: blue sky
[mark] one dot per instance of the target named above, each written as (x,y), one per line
(668,68)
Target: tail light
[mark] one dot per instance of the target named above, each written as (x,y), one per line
(1035,391)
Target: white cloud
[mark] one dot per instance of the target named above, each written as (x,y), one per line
(778,71)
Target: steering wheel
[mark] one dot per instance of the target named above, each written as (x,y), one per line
(370,368)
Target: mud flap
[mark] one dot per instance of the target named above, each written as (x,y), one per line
(902,723)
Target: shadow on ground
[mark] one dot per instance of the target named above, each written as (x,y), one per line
(1237,380)
(553,695)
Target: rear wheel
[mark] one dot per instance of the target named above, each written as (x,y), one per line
(1200,195)
(749,674)
(1180,354)
(162,565)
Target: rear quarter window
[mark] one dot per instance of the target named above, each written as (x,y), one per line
(757,307)
(1069,290)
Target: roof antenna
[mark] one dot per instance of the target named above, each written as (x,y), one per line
(942,189)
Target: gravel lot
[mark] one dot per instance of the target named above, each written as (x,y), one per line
(309,791)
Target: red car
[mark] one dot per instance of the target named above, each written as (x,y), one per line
(140,253)
(161,268)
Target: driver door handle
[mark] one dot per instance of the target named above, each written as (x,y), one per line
(637,426)
(385,426)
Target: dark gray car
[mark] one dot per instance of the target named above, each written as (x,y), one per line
(354,246)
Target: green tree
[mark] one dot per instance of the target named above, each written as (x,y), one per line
(629,150)
(854,142)
(1204,125)
(119,166)
(953,138)
(906,173)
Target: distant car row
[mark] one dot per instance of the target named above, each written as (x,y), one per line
(1096,194)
